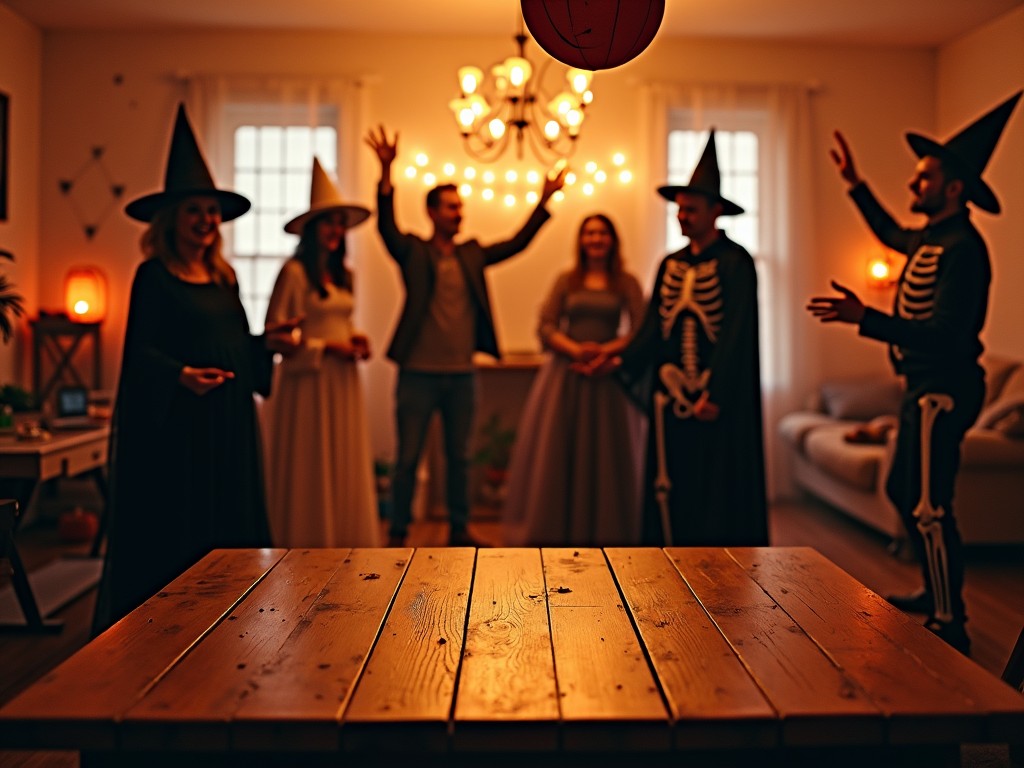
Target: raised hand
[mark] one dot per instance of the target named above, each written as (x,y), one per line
(386,150)
(837,309)
(285,336)
(843,159)
(553,183)
(202,380)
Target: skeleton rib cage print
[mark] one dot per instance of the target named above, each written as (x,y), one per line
(915,298)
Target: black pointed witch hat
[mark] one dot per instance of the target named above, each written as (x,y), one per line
(706,180)
(969,151)
(186,176)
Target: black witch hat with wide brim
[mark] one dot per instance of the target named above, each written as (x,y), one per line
(186,176)
(969,151)
(706,180)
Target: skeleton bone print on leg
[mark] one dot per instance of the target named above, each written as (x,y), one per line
(695,292)
(915,298)
(929,517)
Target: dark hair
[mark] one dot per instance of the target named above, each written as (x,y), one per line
(307,253)
(434,195)
(614,267)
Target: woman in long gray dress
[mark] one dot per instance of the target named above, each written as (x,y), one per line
(575,469)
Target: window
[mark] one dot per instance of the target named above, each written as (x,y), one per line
(272,151)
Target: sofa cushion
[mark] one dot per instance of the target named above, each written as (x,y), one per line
(997,371)
(862,398)
(990,449)
(856,465)
(1003,412)
(795,426)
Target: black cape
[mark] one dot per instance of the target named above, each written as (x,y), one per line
(716,469)
(186,471)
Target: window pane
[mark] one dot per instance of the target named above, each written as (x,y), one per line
(296,190)
(326,147)
(245,184)
(742,229)
(244,236)
(270,146)
(298,147)
(745,155)
(245,147)
(269,194)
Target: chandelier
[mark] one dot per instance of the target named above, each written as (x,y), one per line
(489,112)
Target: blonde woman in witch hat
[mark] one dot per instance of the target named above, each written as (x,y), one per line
(185,455)
(320,480)
(694,366)
(933,337)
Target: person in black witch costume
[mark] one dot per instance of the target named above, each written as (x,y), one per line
(694,365)
(186,474)
(940,307)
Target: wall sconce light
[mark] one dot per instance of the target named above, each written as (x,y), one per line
(85,295)
(881,272)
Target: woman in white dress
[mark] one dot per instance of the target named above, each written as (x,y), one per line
(320,481)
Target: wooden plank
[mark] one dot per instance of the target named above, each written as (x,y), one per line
(77,705)
(932,694)
(195,705)
(301,692)
(507,698)
(608,695)
(410,677)
(817,702)
(712,698)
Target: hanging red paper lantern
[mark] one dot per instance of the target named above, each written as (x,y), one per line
(593,34)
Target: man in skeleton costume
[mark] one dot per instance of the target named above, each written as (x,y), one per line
(694,365)
(941,302)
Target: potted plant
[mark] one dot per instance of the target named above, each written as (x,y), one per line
(11,305)
(494,450)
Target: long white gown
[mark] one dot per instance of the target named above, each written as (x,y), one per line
(320,480)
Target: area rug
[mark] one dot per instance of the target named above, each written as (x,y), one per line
(54,585)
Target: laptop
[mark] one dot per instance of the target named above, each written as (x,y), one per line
(72,409)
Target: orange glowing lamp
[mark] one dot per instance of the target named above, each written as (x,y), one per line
(880,272)
(85,295)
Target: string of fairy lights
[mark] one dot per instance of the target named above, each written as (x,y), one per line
(511,186)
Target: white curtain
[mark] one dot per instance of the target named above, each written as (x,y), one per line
(785,226)
(208,97)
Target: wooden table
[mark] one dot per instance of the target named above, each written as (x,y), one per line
(454,655)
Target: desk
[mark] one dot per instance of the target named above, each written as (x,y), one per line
(453,655)
(68,453)
(23,466)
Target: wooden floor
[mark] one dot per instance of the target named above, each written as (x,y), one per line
(994,593)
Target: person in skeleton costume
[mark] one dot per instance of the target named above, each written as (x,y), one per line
(694,365)
(940,307)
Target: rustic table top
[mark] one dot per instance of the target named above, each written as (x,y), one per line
(557,650)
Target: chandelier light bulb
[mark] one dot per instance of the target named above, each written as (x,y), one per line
(497,128)
(470,172)
(533,177)
(618,159)
(588,188)
(487,194)
(590,167)
(410,172)
(579,79)
(511,176)
(551,130)
(510,200)
(449,169)
(532,197)
(429,179)
(488,177)
(422,159)
(625,176)
(570,178)
(600,177)
(559,196)
(587,97)
(470,79)
(574,118)
(465,189)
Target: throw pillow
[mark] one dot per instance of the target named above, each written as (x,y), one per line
(861,399)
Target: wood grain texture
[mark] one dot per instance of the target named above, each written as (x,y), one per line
(507,697)
(863,632)
(410,676)
(106,678)
(817,702)
(608,695)
(712,697)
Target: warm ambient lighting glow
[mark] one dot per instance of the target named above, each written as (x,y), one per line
(880,272)
(489,112)
(85,294)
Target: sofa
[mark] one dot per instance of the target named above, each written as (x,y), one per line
(842,444)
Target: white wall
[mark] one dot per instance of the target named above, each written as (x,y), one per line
(975,73)
(21,56)
(873,94)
